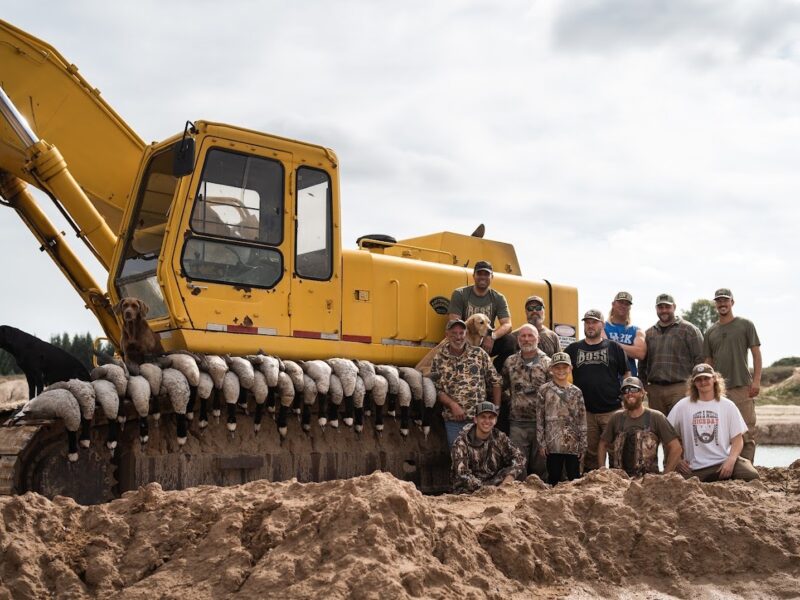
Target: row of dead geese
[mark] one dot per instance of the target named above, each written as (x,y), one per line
(335,387)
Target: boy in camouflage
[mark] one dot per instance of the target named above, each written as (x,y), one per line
(561,422)
(483,455)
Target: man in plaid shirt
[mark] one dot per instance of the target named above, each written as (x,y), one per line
(674,347)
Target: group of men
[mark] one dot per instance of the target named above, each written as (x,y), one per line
(699,391)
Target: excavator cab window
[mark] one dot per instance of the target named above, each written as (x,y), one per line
(314,251)
(145,235)
(237,221)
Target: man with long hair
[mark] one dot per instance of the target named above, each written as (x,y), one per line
(711,429)
(619,329)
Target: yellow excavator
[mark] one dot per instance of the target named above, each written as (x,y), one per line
(233,239)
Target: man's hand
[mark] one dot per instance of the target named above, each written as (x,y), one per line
(684,469)
(726,469)
(542,452)
(754,389)
(457,412)
(487,344)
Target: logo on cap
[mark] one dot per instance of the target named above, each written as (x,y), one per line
(702,370)
(623,296)
(665,299)
(593,315)
(560,358)
(483,407)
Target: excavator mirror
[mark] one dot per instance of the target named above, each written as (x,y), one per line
(183,157)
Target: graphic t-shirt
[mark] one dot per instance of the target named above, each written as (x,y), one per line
(623,334)
(706,429)
(597,370)
(466,302)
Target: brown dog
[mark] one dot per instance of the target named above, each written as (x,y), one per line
(139,342)
(478,327)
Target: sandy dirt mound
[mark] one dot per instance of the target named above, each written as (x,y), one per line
(377,537)
(13,392)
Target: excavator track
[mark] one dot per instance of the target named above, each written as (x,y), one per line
(33,457)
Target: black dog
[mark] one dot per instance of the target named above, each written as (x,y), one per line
(41,362)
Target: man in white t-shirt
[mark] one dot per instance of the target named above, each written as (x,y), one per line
(711,429)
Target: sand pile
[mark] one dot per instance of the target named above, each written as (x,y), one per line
(377,537)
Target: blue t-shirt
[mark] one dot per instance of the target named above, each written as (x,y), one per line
(624,335)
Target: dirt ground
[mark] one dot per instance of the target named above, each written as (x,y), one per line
(378,537)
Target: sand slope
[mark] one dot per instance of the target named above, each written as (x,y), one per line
(377,537)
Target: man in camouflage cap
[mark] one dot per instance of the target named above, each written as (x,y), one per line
(523,374)
(634,433)
(482,455)
(463,375)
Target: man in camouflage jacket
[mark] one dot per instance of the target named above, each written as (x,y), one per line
(462,374)
(483,455)
(523,374)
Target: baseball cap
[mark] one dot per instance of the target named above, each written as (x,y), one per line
(665,299)
(485,406)
(702,370)
(534,300)
(623,296)
(483,265)
(453,322)
(560,358)
(631,382)
(723,293)
(593,315)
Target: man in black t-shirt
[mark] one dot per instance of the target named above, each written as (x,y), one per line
(598,366)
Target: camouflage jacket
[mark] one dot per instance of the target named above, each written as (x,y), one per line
(478,463)
(466,378)
(549,342)
(561,420)
(522,382)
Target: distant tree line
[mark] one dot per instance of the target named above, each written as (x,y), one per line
(80,346)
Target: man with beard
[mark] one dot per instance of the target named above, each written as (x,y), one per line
(462,374)
(619,328)
(674,346)
(523,374)
(711,429)
(634,433)
(598,365)
(726,345)
(481,298)
(482,455)
(548,339)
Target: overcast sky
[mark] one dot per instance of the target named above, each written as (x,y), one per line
(641,145)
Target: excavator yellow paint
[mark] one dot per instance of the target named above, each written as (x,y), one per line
(240,252)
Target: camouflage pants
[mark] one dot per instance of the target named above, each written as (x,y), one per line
(747,406)
(523,436)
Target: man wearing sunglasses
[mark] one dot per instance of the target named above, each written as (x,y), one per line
(548,339)
(634,433)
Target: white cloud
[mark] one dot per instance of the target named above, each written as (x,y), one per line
(644,146)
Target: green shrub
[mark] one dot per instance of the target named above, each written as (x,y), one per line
(788,361)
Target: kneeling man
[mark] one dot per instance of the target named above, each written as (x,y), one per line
(712,430)
(483,455)
(634,433)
